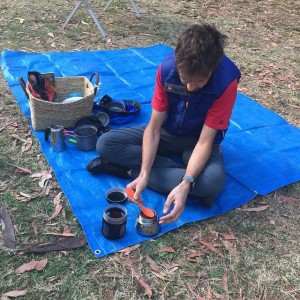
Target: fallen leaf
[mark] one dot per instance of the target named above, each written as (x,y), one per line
(67,229)
(228,236)
(127,250)
(23,170)
(58,206)
(65,234)
(56,212)
(209,295)
(193,274)
(33,265)
(143,283)
(197,253)
(212,248)
(256,209)
(272,222)
(194,293)
(27,145)
(35,229)
(61,244)
(166,249)
(152,264)
(15,294)
(42,174)
(224,283)
(161,276)
(192,230)
(109,294)
(25,195)
(171,266)
(130,261)
(50,34)
(229,246)
(290,200)
(65,253)
(57,198)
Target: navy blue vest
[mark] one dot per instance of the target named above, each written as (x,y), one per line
(187,110)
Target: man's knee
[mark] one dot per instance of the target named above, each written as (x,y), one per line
(103,143)
(211,181)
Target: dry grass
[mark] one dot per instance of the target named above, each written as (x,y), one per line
(264,41)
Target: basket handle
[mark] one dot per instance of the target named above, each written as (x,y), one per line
(23,85)
(96,85)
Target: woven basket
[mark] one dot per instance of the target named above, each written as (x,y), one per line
(45,113)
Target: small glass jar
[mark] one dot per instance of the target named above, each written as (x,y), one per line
(147,226)
(114,221)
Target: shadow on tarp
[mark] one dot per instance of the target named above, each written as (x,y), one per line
(261,150)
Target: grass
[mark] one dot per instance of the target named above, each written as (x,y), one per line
(263,40)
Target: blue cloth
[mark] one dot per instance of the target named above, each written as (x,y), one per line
(261,150)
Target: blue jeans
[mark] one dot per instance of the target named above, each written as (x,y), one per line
(124,147)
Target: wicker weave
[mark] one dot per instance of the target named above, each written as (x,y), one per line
(45,113)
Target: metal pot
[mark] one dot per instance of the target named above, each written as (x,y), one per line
(104,118)
(86,136)
(116,195)
(147,226)
(115,106)
(57,137)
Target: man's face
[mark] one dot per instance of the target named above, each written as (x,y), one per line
(193,84)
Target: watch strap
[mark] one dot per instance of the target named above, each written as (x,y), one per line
(189,178)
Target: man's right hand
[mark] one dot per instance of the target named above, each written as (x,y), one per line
(139,184)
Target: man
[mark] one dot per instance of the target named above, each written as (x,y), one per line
(193,100)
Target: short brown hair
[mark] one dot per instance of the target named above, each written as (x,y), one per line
(199,50)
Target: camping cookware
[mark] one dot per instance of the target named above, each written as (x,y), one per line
(116,196)
(95,121)
(114,221)
(56,133)
(115,106)
(86,137)
(147,226)
(104,118)
(119,112)
(148,212)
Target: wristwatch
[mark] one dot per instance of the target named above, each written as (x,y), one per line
(191,179)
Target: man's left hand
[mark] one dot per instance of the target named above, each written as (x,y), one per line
(177,197)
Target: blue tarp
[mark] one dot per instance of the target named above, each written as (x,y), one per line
(261,150)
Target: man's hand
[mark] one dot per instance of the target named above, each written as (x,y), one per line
(139,184)
(178,197)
